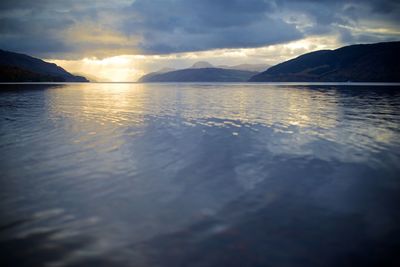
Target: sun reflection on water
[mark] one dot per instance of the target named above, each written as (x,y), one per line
(93,108)
(136,167)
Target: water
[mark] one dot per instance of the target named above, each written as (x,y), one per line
(199,175)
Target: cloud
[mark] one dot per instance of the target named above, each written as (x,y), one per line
(189,25)
(61,29)
(354,21)
(132,67)
(77,29)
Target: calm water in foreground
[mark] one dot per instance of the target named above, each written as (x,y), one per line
(199,175)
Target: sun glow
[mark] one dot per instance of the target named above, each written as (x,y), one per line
(112,69)
(129,68)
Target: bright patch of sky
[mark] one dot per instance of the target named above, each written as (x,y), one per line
(121,40)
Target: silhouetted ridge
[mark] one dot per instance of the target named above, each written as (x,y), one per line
(199,75)
(15,67)
(357,63)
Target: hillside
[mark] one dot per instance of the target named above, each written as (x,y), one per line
(148,76)
(249,67)
(15,67)
(199,75)
(378,62)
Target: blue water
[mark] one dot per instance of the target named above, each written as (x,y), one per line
(199,175)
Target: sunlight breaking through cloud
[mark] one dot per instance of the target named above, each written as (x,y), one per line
(132,67)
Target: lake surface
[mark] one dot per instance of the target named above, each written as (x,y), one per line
(199,175)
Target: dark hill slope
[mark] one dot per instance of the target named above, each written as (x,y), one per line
(358,63)
(15,67)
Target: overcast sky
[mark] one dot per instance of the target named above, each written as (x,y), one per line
(121,40)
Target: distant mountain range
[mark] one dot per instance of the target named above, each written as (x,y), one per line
(149,76)
(15,67)
(249,67)
(199,75)
(203,71)
(201,65)
(378,62)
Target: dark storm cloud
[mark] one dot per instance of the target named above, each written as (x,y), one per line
(36,27)
(55,28)
(189,25)
(345,17)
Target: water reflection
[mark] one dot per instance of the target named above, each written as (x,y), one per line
(199,175)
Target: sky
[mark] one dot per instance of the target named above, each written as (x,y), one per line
(122,40)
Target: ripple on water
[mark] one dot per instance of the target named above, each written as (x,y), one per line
(186,174)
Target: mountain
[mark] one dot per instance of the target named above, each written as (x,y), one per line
(201,65)
(249,67)
(166,69)
(199,75)
(378,62)
(148,76)
(15,67)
